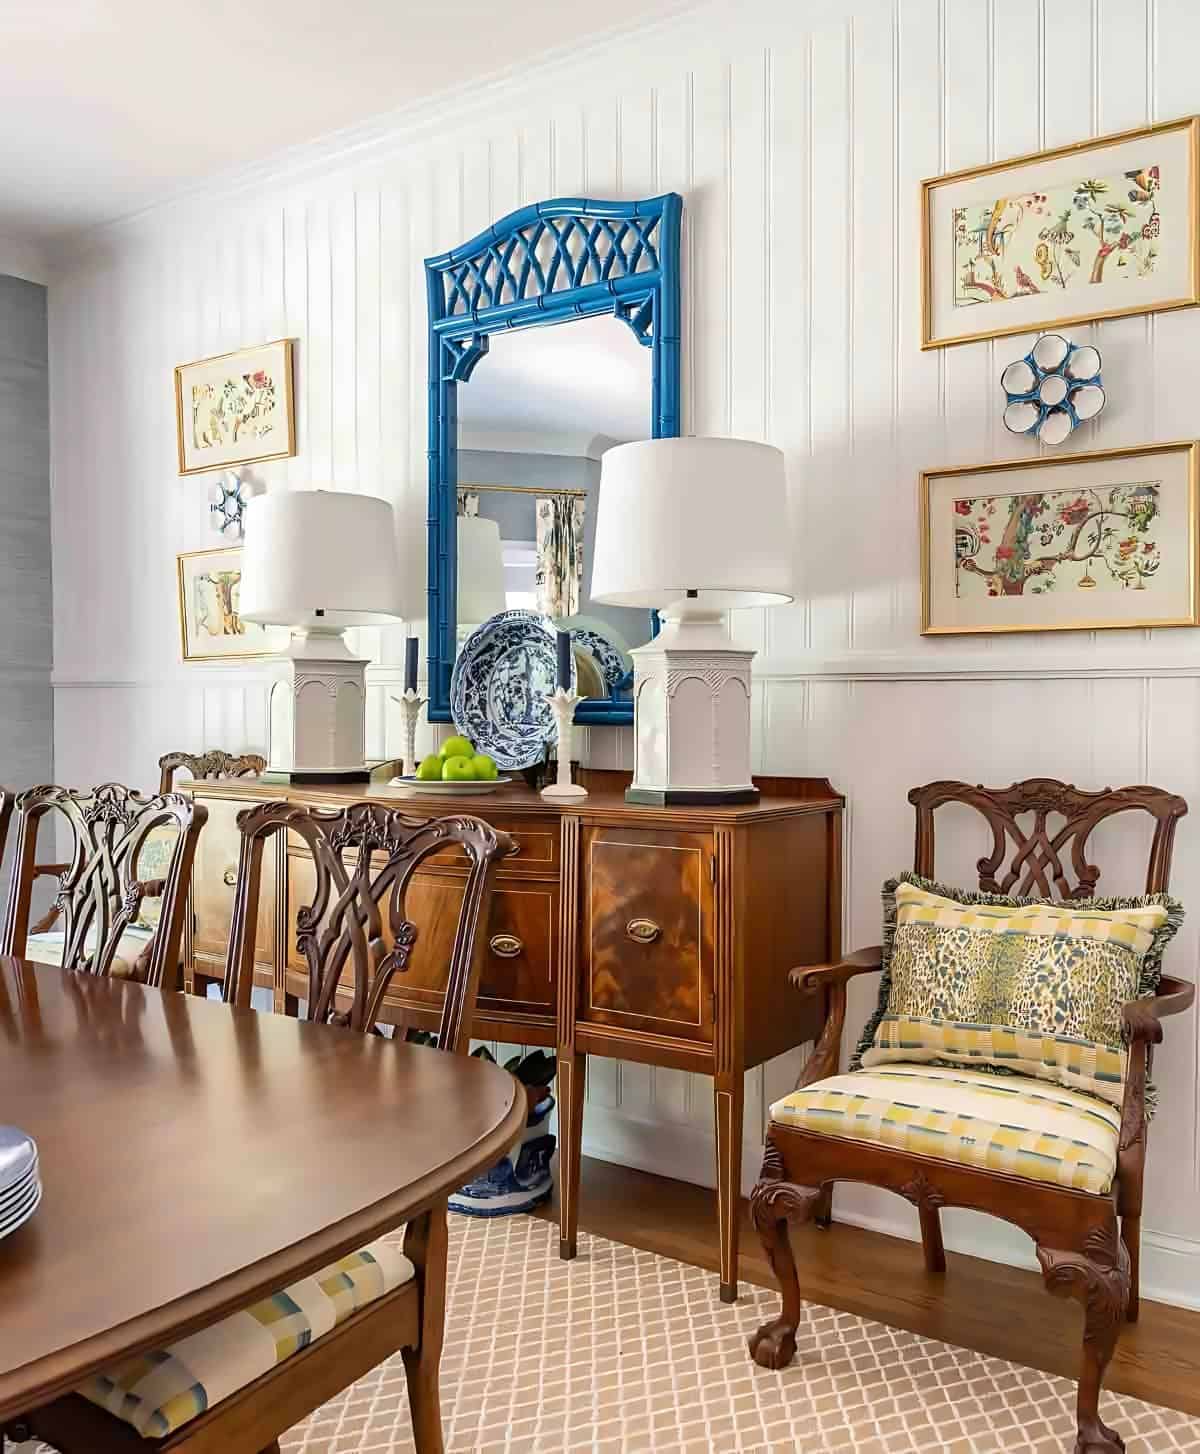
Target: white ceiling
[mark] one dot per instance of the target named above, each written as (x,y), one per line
(575,389)
(107,106)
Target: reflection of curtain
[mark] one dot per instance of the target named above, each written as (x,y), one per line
(559,554)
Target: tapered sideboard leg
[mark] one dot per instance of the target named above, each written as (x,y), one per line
(572,1082)
(728,1099)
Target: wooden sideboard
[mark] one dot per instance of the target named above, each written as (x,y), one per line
(650,934)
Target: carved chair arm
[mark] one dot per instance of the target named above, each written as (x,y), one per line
(821,976)
(1141,1023)
(1142,1019)
(833,978)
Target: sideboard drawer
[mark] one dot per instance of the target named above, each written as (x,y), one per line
(648,943)
(536,842)
(518,971)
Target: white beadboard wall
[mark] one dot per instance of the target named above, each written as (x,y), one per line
(797,134)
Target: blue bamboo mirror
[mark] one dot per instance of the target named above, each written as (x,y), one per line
(564,319)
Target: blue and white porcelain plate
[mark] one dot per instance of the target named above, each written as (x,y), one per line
(603,643)
(503,673)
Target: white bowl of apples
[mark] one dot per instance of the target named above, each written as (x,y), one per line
(455,768)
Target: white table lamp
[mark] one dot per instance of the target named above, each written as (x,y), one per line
(695,528)
(319,561)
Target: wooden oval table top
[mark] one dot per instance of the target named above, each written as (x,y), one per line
(195,1157)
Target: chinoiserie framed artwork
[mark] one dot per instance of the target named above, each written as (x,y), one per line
(1078,542)
(237,408)
(209,624)
(1101,229)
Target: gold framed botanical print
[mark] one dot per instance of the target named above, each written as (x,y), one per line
(1101,229)
(210,626)
(236,408)
(1076,542)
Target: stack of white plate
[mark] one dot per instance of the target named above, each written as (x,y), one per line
(20,1185)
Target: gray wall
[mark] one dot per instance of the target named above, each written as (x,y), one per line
(26,641)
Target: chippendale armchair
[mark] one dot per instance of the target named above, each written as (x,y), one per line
(1086,1226)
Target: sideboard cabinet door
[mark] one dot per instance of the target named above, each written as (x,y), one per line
(647,961)
(214,880)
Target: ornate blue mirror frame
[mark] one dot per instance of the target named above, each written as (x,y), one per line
(546,264)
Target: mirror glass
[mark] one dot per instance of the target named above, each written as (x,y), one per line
(534,421)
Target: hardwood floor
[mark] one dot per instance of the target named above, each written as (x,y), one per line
(982,1305)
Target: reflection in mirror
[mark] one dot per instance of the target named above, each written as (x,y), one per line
(540,410)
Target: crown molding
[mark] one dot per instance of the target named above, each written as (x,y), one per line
(388,136)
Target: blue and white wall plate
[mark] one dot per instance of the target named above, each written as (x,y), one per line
(502,676)
(228,496)
(602,642)
(1052,390)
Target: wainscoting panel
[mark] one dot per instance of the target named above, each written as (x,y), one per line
(798,136)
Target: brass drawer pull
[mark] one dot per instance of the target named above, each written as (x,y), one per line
(229,878)
(515,849)
(507,946)
(643,931)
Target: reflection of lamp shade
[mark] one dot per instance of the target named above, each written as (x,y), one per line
(480,569)
(704,515)
(320,550)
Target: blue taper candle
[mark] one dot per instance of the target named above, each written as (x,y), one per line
(410,664)
(564,660)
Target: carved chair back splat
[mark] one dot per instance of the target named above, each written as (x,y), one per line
(208,766)
(99,893)
(1087,1243)
(357,895)
(1041,855)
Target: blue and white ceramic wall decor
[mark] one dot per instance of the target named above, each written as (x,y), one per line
(228,496)
(1052,390)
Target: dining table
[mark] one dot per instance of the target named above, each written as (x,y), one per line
(195,1157)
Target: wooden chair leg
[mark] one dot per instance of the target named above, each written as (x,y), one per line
(773,1204)
(823,1215)
(1098,1277)
(1131,1235)
(425,1246)
(931,1237)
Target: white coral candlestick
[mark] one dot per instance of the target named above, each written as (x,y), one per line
(562,704)
(411,702)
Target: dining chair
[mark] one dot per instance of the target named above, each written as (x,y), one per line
(208,766)
(101,893)
(237,1386)
(1071,1174)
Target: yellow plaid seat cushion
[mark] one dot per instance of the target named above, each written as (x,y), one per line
(1014,1124)
(159,1391)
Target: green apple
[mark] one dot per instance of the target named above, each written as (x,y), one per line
(485,767)
(458,769)
(456,747)
(430,769)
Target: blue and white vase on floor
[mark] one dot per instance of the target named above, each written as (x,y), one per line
(519,1181)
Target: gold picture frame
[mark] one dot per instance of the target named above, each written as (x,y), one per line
(940,235)
(1079,507)
(231,377)
(249,642)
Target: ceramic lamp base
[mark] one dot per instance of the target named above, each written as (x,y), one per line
(682,797)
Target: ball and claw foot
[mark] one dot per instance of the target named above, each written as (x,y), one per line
(1099,1440)
(774,1345)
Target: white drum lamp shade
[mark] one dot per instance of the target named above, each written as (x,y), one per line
(695,528)
(703,515)
(480,569)
(320,550)
(319,561)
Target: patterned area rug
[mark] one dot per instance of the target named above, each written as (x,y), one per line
(624,1351)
